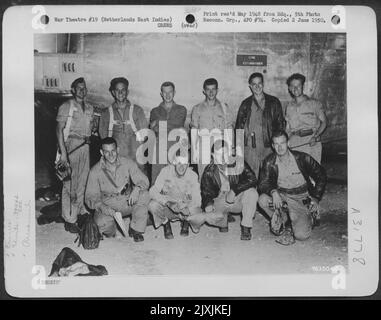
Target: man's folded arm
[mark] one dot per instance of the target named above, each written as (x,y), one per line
(93,196)
(138,178)
(155,191)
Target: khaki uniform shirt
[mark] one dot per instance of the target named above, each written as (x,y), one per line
(99,186)
(289,175)
(82,120)
(207,117)
(304,115)
(185,188)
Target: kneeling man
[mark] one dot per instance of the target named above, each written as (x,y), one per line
(117,185)
(176,196)
(292,180)
(223,192)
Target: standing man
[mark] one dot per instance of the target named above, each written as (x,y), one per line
(74,125)
(259,115)
(117,185)
(223,192)
(285,180)
(122,120)
(174,115)
(210,114)
(306,120)
(176,196)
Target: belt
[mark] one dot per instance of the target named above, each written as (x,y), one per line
(303,132)
(85,138)
(294,191)
(110,194)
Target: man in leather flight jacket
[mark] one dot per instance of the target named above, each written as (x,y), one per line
(259,115)
(223,192)
(293,179)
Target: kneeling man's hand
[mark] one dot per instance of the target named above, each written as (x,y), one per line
(313,141)
(209,208)
(133,198)
(277,200)
(185,211)
(314,205)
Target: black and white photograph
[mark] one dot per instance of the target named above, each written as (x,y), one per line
(166,154)
(289,84)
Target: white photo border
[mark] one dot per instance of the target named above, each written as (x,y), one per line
(21,274)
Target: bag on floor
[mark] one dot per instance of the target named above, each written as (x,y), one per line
(89,235)
(69,264)
(46,194)
(51,213)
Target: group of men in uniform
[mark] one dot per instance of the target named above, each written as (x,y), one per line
(286,183)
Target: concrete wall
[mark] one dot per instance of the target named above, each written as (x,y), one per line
(329,78)
(149,59)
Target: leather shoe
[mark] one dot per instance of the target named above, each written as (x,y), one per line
(224,229)
(315,219)
(287,238)
(184,229)
(168,230)
(277,226)
(230,218)
(71,227)
(138,237)
(245,233)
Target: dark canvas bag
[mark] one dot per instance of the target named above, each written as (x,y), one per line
(68,257)
(89,235)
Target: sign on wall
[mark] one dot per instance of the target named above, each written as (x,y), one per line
(251,60)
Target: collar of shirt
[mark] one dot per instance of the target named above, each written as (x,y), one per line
(223,170)
(115,105)
(175,175)
(305,98)
(78,105)
(217,104)
(261,101)
(286,161)
(162,105)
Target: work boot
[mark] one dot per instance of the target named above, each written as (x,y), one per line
(138,237)
(184,229)
(287,238)
(168,230)
(245,233)
(224,229)
(196,221)
(277,226)
(230,218)
(71,227)
(315,219)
